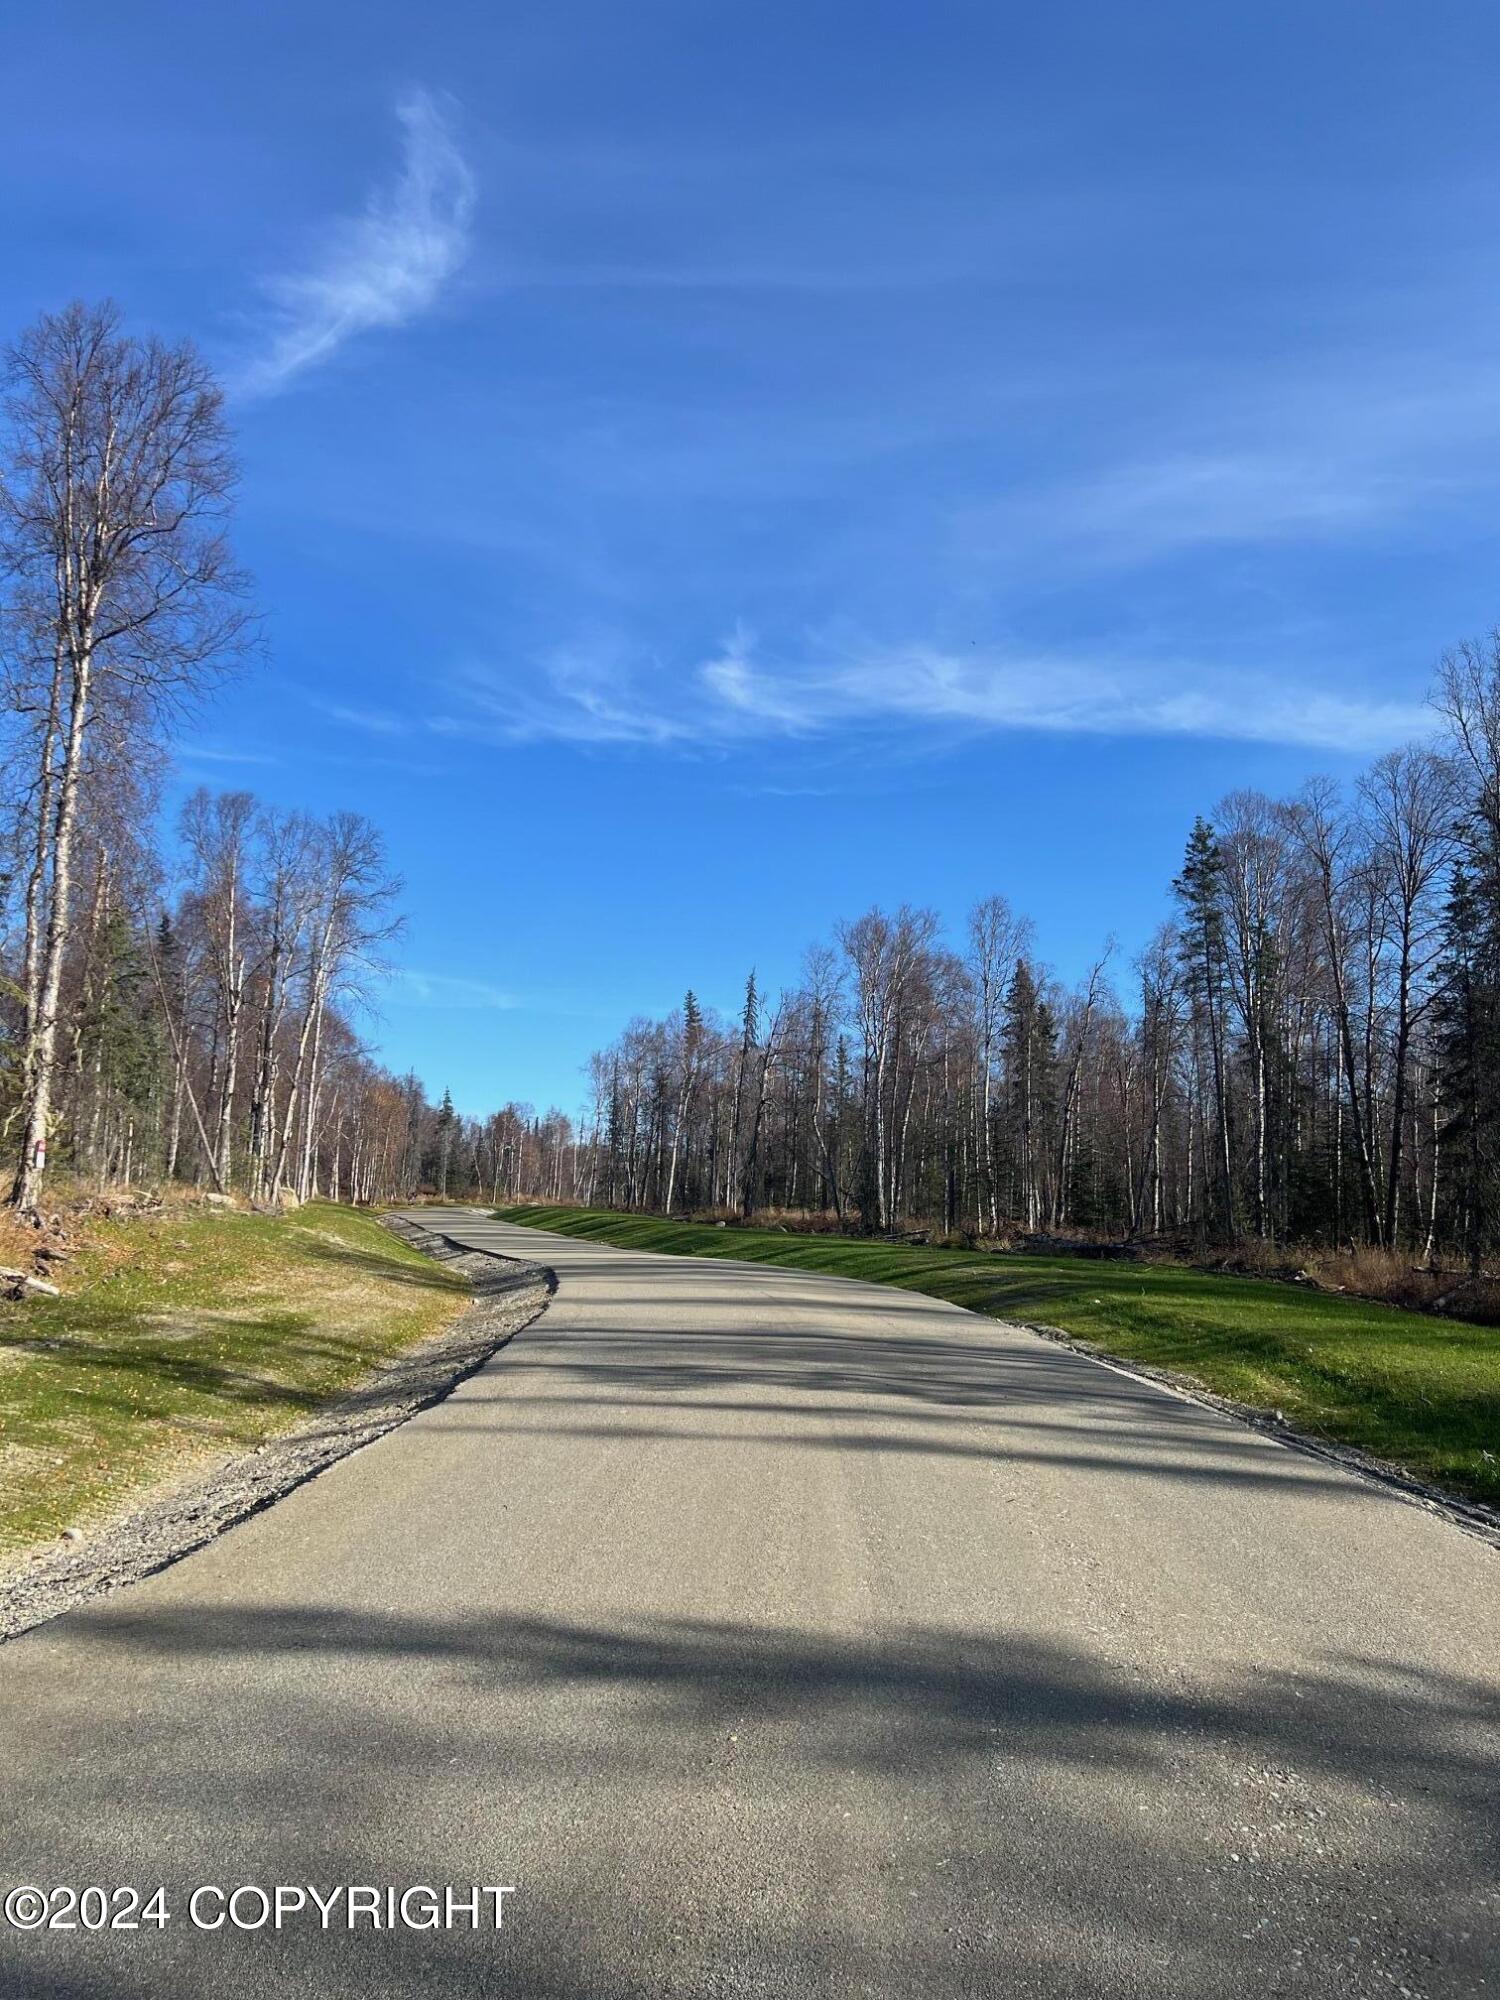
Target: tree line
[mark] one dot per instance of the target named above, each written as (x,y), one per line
(1308,1049)
(173,1002)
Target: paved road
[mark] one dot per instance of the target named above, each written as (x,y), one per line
(778,1635)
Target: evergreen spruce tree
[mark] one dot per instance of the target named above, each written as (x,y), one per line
(1468,1039)
(447,1120)
(1200,892)
(749,1035)
(1028,1041)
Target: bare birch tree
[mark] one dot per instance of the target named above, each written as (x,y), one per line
(118,479)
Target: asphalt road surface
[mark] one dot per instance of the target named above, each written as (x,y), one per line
(773,1634)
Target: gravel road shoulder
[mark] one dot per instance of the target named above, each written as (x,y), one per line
(1470,1515)
(174,1521)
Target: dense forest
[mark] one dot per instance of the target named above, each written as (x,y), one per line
(181,1000)
(1308,1050)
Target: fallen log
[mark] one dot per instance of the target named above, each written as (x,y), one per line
(20,1285)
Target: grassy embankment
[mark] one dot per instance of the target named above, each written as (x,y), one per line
(183,1336)
(1417,1392)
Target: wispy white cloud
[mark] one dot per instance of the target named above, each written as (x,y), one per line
(1195,499)
(214,756)
(1140,511)
(382,268)
(732,698)
(444,989)
(374,721)
(584,694)
(210,753)
(1334,455)
(734,681)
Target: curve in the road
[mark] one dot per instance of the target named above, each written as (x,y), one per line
(780,1635)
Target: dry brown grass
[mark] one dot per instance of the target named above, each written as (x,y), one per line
(18,1242)
(1387,1277)
(75,1220)
(1392,1277)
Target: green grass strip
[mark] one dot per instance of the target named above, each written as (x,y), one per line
(1417,1392)
(189,1335)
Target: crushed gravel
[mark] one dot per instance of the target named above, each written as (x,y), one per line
(508,1295)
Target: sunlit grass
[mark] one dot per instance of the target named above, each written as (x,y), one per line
(188,1334)
(1419,1392)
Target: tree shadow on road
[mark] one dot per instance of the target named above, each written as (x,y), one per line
(978,1399)
(713,1807)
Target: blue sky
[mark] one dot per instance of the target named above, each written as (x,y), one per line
(708,469)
